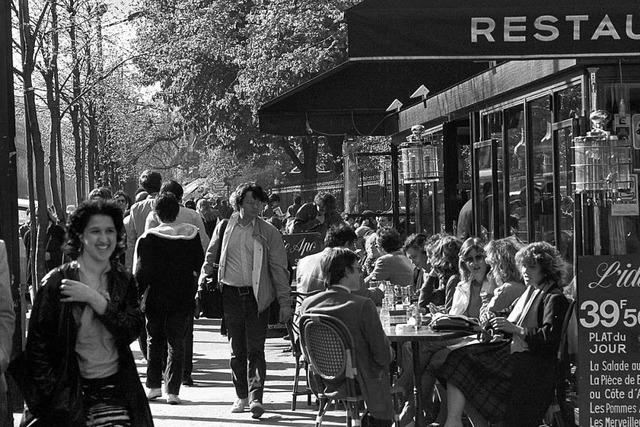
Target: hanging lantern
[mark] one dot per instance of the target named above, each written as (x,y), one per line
(433,158)
(412,154)
(602,162)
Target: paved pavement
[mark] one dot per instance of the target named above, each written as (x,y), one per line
(208,402)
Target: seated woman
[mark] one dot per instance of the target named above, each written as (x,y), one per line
(474,284)
(513,382)
(444,260)
(373,350)
(392,265)
(501,258)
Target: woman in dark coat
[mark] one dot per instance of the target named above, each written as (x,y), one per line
(84,318)
(514,381)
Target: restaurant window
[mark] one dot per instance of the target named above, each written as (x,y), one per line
(486,199)
(567,103)
(629,93)
(516,180)
(542,170)
(492,126)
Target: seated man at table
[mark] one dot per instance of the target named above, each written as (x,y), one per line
(392,265)
(373,350)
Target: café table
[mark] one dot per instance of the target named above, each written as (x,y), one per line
(424,335)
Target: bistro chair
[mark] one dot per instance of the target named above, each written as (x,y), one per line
(293,331)
(328,346)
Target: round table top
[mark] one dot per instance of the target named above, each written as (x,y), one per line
(424,333)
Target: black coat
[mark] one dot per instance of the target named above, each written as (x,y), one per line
(50,349)
(168,265)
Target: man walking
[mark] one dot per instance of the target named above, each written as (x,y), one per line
(253,273)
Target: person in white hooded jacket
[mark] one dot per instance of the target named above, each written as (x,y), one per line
(167,263)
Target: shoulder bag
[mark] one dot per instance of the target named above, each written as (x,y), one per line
(211,295)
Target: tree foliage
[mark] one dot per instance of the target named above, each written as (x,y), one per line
(218,61)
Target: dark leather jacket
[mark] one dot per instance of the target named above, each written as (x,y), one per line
(50,348)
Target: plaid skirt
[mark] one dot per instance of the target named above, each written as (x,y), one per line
(481,372)
(104,403)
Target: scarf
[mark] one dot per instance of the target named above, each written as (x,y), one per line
(523,316)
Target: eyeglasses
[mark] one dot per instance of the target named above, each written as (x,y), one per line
(251,202)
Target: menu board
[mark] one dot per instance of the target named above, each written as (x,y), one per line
(608,340)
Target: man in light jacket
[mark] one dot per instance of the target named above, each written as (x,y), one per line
(253,273)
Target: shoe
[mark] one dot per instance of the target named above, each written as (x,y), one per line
(239,405)
(173,399)
(256,409)
(154,393)
(187,380)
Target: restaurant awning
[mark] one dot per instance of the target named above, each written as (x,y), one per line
(353,97)
(493,29)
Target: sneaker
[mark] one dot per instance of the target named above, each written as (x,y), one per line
(256,409)
(154,393)
(173,399)
(239,405)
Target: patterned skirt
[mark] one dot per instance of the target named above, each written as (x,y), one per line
(104,403)
(481,372)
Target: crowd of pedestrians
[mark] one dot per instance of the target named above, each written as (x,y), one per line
(132,270)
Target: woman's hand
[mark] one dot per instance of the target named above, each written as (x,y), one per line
(502,324)
(435,309)
(75,291)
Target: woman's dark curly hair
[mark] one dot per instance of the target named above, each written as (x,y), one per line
(80,218)
(547,257)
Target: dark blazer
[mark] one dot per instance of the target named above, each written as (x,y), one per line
(373,350)
(51,344)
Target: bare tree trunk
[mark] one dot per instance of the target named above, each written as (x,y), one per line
(56,93)
(76,117)
(92,149)
(53,143)
(33,130)
(83,136)
(310,153)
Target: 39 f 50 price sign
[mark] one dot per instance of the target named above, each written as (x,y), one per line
(608,340)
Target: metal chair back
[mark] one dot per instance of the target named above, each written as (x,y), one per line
(329,349)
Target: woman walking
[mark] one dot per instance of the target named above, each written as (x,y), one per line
(84,318)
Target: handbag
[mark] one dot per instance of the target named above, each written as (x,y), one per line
(455,322)
(210,294)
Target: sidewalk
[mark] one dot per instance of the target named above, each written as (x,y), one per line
(208,402)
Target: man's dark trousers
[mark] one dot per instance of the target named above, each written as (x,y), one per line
(169,328)
(247,332)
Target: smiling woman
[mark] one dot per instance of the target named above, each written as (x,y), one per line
(85,370)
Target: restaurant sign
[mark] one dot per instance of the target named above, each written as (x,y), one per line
(493,29)
(299,245)
(608,340)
